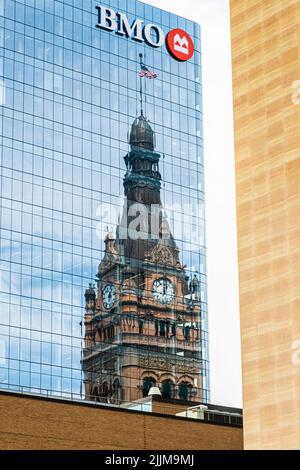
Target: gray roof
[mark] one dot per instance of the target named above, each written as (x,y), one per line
(141,134)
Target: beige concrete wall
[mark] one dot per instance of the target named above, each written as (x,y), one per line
(266,61)
(34,423)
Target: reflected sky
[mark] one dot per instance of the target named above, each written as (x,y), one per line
(68,96)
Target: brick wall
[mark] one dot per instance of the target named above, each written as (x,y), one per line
(266,62)
(35,423)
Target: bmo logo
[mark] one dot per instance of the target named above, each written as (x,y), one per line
(178,42)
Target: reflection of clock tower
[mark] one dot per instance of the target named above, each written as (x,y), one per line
(142,328)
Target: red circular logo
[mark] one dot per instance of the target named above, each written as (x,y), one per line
(180,44)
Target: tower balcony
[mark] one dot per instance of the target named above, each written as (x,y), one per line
(141,340)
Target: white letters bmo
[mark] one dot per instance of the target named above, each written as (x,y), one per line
(179,43)
(118,22)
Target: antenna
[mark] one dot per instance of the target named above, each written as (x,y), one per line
(145,93)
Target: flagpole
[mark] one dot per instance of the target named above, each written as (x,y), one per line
(145,93)
(141,85)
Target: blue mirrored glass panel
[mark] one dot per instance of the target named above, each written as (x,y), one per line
(87,312)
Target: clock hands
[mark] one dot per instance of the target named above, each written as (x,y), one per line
(109,295)
(164,287)
(163,290)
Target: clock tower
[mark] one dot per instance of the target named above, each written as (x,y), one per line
(143,321)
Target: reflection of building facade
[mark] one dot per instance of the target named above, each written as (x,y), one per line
(143,327)
(67,99)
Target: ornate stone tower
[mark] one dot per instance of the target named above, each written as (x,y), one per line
(142,328)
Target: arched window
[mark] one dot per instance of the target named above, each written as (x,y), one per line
(105,392)
(167,389)
(185,391)
(116,391)
(162,330)
(147,384)
(95,394)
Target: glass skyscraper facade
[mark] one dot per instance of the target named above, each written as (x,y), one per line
(69,95)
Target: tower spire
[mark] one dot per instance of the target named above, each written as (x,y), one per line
(141,85)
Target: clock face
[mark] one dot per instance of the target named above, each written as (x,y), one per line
(163,291)
(108,295)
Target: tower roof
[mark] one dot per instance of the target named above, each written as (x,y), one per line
(141,134)
(90,292)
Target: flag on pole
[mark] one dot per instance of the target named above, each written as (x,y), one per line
(145,72)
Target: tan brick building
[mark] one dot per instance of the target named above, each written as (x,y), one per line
(29,422)
(266,64)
